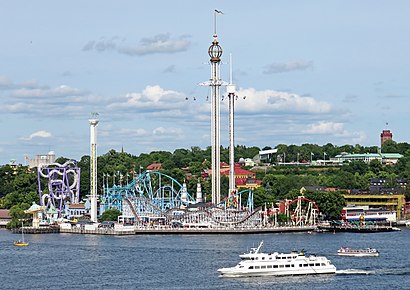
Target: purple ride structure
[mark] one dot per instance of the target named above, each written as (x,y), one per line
(63,185)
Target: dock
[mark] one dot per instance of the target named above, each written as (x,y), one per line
(359,229)
(186,231)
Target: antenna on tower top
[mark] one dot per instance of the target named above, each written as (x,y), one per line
(215,13)
(230,68)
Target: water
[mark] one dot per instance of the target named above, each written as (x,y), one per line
(69,261)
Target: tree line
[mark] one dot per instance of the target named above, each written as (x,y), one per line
(19,187)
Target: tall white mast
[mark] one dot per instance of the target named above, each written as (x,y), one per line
(231,94)
(93,165)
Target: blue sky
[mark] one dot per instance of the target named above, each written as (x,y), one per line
(311,71)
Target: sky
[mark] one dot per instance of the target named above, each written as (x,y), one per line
(305,72)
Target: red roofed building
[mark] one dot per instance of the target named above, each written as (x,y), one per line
(243,178)
(154,166)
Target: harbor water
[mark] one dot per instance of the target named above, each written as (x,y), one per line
(75,261)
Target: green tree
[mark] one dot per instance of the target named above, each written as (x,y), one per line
(110,215)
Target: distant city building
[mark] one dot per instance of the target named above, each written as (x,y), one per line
(384,158)
(384,136)
(266,155)
(246,162)
(380,186)
(45,159)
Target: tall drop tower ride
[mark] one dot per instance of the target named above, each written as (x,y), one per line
(93,165)
(215,53)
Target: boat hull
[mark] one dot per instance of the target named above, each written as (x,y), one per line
(20,244)
(359,255)
(233,272)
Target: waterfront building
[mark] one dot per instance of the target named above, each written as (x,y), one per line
(387,201)
(76,210)
(368,214)
(36,211)
(5,217)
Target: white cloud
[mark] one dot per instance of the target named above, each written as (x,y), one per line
(324,127)
(336,130)
(46,92)
(152,98)
(161,131)
(294,65)
(38,134)
(273,101)
(160,43)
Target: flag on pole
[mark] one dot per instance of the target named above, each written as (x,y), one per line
(218,12)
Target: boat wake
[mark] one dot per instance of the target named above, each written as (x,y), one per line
(391,271)
(354,272)
(394,271)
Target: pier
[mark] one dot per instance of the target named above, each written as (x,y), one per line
(360,229)
(184,231)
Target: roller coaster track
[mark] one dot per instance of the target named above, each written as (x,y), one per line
(212,218)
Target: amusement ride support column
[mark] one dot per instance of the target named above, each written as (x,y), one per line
(215,52)
(93,165)
(231,94)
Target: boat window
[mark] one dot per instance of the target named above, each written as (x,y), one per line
(311,264)
(240,266)
(305,265)
(281,266)
(275,266)
(293,265)
(250,267)
(263,258)
(317,264)
(270,266)
(257,267)
(323,264)
(287,266)
(263,267)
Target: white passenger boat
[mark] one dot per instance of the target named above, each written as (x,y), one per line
(256,263)
(369,252)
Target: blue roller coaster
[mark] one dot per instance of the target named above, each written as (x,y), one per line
(154,196)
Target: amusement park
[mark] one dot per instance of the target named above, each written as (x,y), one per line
(152,198)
